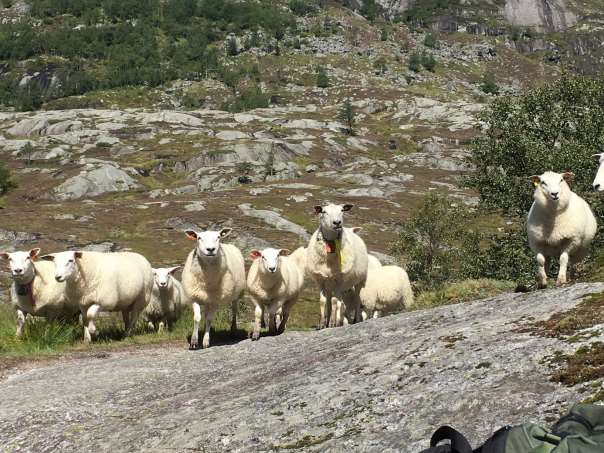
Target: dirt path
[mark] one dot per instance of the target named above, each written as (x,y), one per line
(380,386)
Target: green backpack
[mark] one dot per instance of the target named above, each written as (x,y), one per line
(580,431)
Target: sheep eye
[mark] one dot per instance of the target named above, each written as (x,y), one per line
(71,261)
(543,183)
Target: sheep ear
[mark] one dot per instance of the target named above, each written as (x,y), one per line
(174,269)
(78,255)
(347,207)
(318,209)
(47,258)
(284,252)
(254,254)
(192,235)
(598,155)
(357,229)
(4,255)
(535,179)
(154,271)
(33,253)
(225,232)
(568,176)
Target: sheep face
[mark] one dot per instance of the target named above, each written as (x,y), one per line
(163,276)
(270,258)
(552,187)
(208,242)
(21,265)
(66,267)
(599,180)
(331,217)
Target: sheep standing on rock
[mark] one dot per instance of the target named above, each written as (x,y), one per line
(274,281)
(560,224)
(105,282)
(34,290)
(214,275)
(337,260)
(167,299)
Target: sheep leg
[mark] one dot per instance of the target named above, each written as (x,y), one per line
(135,312)
(210,311)
(364,315)
(126,318)
(151,326)
(326,313)
(376,314)
(160,328)
(196,321)
(90,329)
(284,319)
(322,302)
(541,275)
(563,269)
(272,323)
(357,303)
(262,320)
(258,321)
(234,307)
(21,317)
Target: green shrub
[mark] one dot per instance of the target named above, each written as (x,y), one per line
(232,49)
(428,61)
(370,9)
(322,78)
(384,34)
(415,62)
(489,84)
(249,98)
(431,41)
(381,64)
(6,180)
(303,7)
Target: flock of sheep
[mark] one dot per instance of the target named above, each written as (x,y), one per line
(72,283)
(353,283)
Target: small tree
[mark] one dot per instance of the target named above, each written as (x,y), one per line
(322,77)
(6,180)
(428,61)
(489,85)
(384,34)
(232,47)
(415,62)
(348,116)
(430,41)
(426,241)
(381,64)
(26,151)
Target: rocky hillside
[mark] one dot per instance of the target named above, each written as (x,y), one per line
(383,385)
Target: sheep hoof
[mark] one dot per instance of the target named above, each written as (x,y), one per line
(541,285)
(255,336)
(560,282)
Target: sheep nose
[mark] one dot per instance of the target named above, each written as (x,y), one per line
(596,186)
(210,249)
(337,222)
(555,194)
(272,269)
(59,278)
(18,271)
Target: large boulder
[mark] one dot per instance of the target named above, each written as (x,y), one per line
(94,182)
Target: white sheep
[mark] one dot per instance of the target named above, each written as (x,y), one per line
(214,275)
(341,307)
(105,282)
(599,179)
(387,289)
(34,290)
(274,282)
(167,299)
(337,260)
(559,224)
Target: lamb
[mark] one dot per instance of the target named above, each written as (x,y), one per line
(274,282)
(214,275)
(104,282)
(34,290)
(387,288)
(167,299)
(337,260)
(559,223)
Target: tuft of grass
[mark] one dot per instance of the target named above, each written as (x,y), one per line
(463,291)
(585,365)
